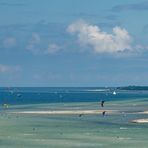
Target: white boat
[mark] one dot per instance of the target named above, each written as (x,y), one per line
(114,93)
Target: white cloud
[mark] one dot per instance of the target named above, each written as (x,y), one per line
(36,46)
(3,68)
(34,43)
(101,42)
(7,68)
(52,48)
(9,42)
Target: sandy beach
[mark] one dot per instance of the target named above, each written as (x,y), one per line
(75,125)
(144,112)
(78,112)
(140,121)
(65,112)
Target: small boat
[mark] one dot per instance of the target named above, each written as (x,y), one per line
(114,93)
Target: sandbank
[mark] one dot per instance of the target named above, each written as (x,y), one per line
(65,112)
(144,112)
(140,121)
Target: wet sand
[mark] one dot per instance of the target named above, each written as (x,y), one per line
(62,125)
(140,121)
(65,112)
(144,112)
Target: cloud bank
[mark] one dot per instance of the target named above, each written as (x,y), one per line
(142,6)
(52,48)
(7,68)
(36,46)
(34,43)
(9,42)
(101,42)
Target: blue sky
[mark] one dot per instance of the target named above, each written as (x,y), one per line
(73,42)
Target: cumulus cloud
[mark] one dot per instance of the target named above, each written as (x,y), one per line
(7,68)
(101,42)
(34,43)
(35,38)
(9,42)
(3,68)
(36,46)
(52,48)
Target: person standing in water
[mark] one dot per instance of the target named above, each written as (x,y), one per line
(102,103)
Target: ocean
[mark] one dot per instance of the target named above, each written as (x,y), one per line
(62,117)
(31,95)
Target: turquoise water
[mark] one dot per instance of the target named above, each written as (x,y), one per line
(73,131)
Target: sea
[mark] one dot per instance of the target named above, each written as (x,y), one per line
(37,95)
(111,130)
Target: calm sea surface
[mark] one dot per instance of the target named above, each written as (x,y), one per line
(31,95)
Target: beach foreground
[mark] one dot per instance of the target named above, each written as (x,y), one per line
(74,125)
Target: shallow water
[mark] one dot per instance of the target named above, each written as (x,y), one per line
(64,131)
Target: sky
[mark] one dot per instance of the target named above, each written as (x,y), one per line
(73,43)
